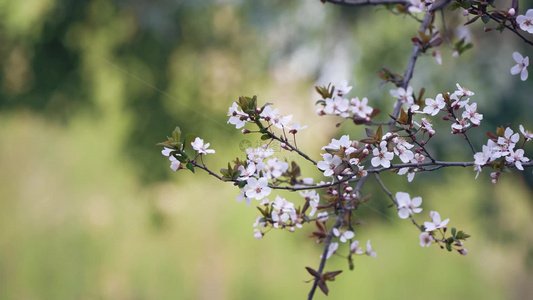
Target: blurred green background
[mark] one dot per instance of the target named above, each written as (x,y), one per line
(89,208)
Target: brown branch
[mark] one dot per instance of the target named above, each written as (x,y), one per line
(340,220)
(412,62)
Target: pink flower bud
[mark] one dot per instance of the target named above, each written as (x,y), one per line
(462,251)
(445,118)
(245,131)
(511,12)
(466,12)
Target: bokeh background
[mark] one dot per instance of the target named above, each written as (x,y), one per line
(89,208)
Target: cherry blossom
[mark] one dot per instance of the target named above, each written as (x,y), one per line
(528,135)
(270,115)
(427,127)
(337,105)
(331,250)
(360,107)
(242,196)
(472,114)
(460,125)
(406,206)
(275,168)
(425,239)
(355,248)
(382,156)
(508,141)
(521,65)
(517,157)
(526,22)
(463,92)
(258,234)
(313,197)
(416,6)
(329,163)
(344,142)
(175,164)
(405,96)
(257,188)
(237,117)
(295,127)
(342,89)
(456,101)
(247,172)
(402,149)
(279,219)
(369,250)
(323,216)
(433,107)
(344,234)
(435,223)
(166,151)
(199,146)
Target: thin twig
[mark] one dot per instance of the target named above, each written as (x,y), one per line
(340,220)
(286,142)
(384,188)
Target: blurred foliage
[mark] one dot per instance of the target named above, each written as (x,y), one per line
(90,210)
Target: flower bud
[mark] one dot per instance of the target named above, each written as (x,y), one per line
(466,12)
(245,131)
(445,118)
(462,251)
(511,12)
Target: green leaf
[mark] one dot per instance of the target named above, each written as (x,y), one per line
(265,136)
(454,231)
(448,247)
(461,235)
(241,184)
(485,19)
(176,134)
(190,166)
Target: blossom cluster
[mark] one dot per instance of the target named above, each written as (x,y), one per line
(502,146)
(334,103)
(452,104)
(407,207)
(343,157)
(246,111)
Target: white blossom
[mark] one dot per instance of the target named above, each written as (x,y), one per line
(521,65)
(382,156)
(199,146)
(526,21)
(435,223)
(425,239)
(406,206)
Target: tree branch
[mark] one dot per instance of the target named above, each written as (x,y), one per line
(340,220)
